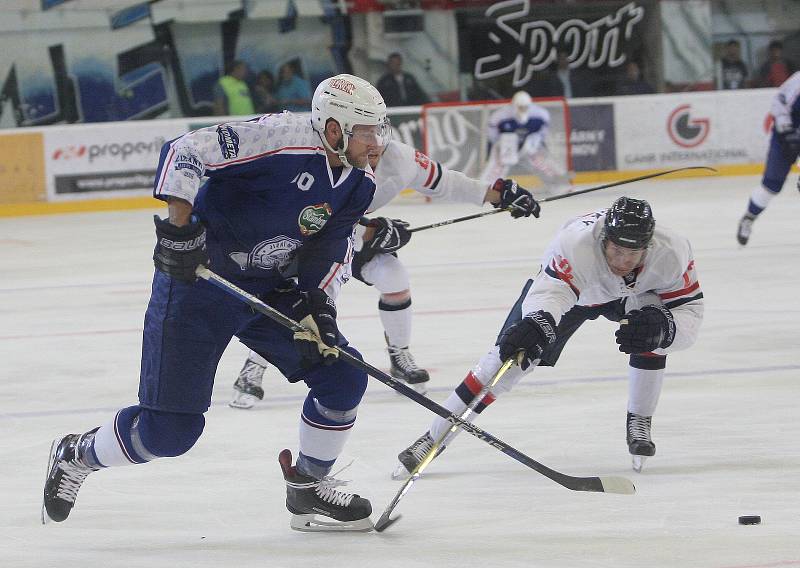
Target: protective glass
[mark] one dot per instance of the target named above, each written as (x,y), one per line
(372,135)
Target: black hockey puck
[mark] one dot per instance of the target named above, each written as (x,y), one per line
(749,520)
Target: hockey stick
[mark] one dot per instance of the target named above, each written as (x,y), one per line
(384,522)
(562,196)
(597,484)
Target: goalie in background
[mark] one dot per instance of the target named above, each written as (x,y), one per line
(517,134)
(615,263)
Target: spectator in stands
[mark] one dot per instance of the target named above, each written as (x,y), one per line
(231,93)
(561,81)
(731,71)
(398,87)
(293,92)
(264,93)
(632,82)
(777,68)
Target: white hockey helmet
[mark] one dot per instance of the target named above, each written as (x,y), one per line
(349,100)
(521,102)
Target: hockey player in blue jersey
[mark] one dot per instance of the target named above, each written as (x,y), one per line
(784,147)
(518,133)
(282,197)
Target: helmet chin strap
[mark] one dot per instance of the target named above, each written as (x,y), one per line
(339,153)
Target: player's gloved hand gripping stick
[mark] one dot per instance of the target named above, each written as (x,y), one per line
(610,484)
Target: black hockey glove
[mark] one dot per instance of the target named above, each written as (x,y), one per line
(390,235)
(641,331)
(180,250)
(316,311)
(518,198)
(531,335)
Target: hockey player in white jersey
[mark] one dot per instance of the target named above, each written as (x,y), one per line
(614,263)
(784,147)
(280,189)
(398,166)
(517,133)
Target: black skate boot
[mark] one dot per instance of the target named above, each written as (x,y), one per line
(405,368)
(65,474)
(640,446)
(307,497)
(745,228)
(247,388)
(411,457)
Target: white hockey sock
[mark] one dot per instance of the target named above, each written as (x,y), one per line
(107,448)
(323,442)
(396,320)
(761,196)
(644,388)
(456,406)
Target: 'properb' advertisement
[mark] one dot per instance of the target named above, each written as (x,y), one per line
(676,130)
(99,161)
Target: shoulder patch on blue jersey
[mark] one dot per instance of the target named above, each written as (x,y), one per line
(313,218)
(189,162)
(228,141)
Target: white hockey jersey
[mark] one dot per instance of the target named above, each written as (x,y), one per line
(575,272)
(402,167)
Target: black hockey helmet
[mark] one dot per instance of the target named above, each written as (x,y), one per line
(629,223)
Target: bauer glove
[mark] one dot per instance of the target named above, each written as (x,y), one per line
(530,335)
(180,250)
(316,311)
(641,331)
(390,235)
(519,199)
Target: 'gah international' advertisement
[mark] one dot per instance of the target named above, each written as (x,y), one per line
(687,129)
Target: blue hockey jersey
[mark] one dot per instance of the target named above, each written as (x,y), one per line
(271,199)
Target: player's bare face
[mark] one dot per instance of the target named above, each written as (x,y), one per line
(364,141)
(622,260)
(374,156)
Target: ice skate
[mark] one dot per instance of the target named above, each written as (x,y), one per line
(405,368)
(411,457)
(247,388)
(308,497)
(745,228)
(65,474)
(640,445)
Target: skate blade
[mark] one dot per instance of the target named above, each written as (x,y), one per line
(638,463)
(400,473)
(53,447)
(310,523)
(243,401)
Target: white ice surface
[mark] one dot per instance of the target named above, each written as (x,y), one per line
(73,289)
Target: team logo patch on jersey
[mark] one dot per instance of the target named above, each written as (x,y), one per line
(423,160)
(276,252)
(189,163)
(228,141)
(313,218)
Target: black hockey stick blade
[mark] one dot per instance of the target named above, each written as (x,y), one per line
(595,484)
(563,196)
(385,522)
